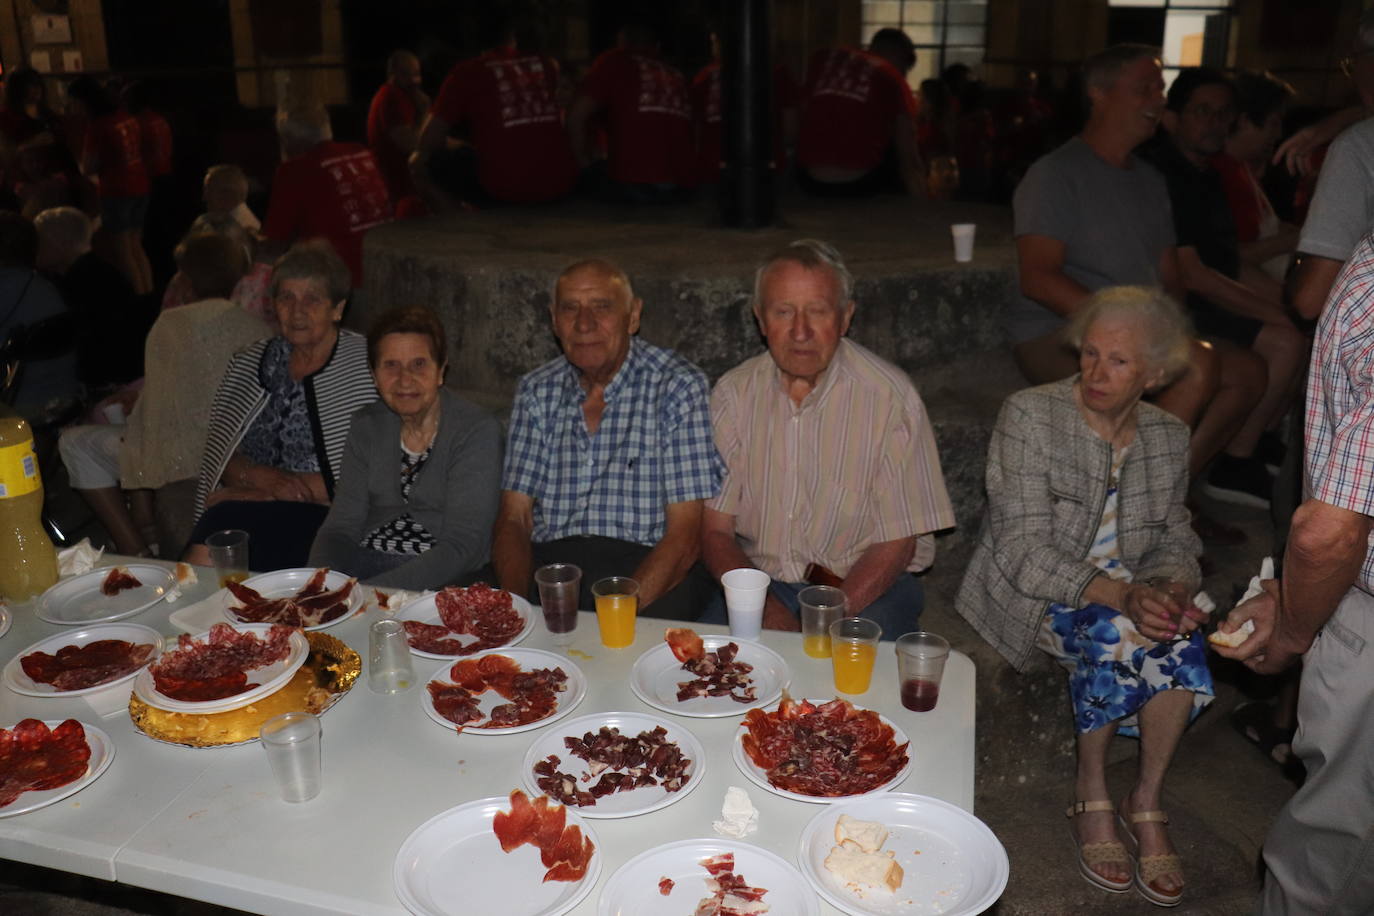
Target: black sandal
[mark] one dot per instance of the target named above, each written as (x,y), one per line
(1255,723)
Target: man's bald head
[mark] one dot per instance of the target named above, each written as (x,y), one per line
(595,313)
(403,68)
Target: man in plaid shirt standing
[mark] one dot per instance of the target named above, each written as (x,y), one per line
(1320,850)
(610,455)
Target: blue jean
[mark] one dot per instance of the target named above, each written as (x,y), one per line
(897,610)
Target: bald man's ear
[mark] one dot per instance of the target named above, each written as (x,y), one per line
(636,310)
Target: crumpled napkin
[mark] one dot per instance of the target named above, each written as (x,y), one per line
(739,817)
(78,559)
(395,599)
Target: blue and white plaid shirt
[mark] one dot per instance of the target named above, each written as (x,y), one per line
(653,447)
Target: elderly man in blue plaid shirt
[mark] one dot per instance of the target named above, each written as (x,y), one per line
(610,455)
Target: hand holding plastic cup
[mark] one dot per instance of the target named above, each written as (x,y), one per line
(821,605)
(746,590)
(854,649)
(617,604)
(292,742)
(963,240)
(389,666)
(558,589)
(229,553)
(920,665)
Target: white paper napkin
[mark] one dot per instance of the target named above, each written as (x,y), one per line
(739,817)
(78,559)
(201,616)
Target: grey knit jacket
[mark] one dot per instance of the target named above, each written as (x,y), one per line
(1047,475)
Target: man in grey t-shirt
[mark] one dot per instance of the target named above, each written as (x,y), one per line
(1089,215)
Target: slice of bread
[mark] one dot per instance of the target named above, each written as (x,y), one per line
(852,865)
(1237,636)
(869,836)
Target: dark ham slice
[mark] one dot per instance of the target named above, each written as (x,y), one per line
(825,751)
(622,764)
(118,580)
(730,894)
(34,758)
(312,606)
(79,667)
(717,673)
(665,886)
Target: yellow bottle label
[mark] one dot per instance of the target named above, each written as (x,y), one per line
(18,470)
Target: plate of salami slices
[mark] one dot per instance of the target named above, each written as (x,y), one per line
(504,692)
(43,762)
(226,668)
(74,663)
(459,622)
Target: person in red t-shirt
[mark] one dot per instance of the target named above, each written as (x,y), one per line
(643,103)
(518,151)
(324,189)
(708,121)
(858,120)
(112,154)
(393,121)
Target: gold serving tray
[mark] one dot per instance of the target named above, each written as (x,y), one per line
(328,673)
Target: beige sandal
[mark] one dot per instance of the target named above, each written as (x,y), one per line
(1149,869)
(1109,852)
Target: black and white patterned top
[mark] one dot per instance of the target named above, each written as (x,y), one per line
(403,535)
(280,437)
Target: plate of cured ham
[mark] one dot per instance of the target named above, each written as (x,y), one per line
(511,856)
(504,692)
(458,622)
(819,751)
(949,861)
(104,595)
(615,764)
(43,762)
(225,668)
(309,598)
(74,663)
(708,877)
(708,677)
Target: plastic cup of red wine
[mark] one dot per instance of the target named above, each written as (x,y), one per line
(559,584)
(920,666)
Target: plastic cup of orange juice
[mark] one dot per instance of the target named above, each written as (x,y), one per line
(617,604)
(853,649)
(821,605)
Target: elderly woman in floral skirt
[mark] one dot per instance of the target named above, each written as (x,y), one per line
(1087,554)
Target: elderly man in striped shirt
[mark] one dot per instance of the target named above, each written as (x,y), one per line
(610,455)
(832,473)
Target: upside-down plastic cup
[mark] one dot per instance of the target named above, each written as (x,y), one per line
(963,240)
(229,554)
(292,742)
(745,592)
(853,650)
(821,605)
(558,589)
(389,666)
(920,666)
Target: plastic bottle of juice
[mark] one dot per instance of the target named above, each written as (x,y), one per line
(28,561)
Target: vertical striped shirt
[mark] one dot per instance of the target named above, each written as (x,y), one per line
(854,465)
(1339,464)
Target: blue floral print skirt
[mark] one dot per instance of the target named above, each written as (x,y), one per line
(1114,670)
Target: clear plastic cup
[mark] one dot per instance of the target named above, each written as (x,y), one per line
(821,605)
(853,650)
(292,743)
(920,666)
(390,668)
(558,590)
(229,554)
(746,590)
(617,605)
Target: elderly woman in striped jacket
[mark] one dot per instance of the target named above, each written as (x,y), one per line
(1087,554)
(279,421)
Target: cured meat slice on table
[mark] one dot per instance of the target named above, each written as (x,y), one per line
(79,667)
(34,758)
(828,750)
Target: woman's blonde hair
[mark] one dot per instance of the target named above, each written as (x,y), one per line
(1168,332)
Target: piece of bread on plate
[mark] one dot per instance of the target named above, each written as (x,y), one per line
(869,836)
(853,865)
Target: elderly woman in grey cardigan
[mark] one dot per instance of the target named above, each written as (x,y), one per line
(1086,553)
(421,471)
